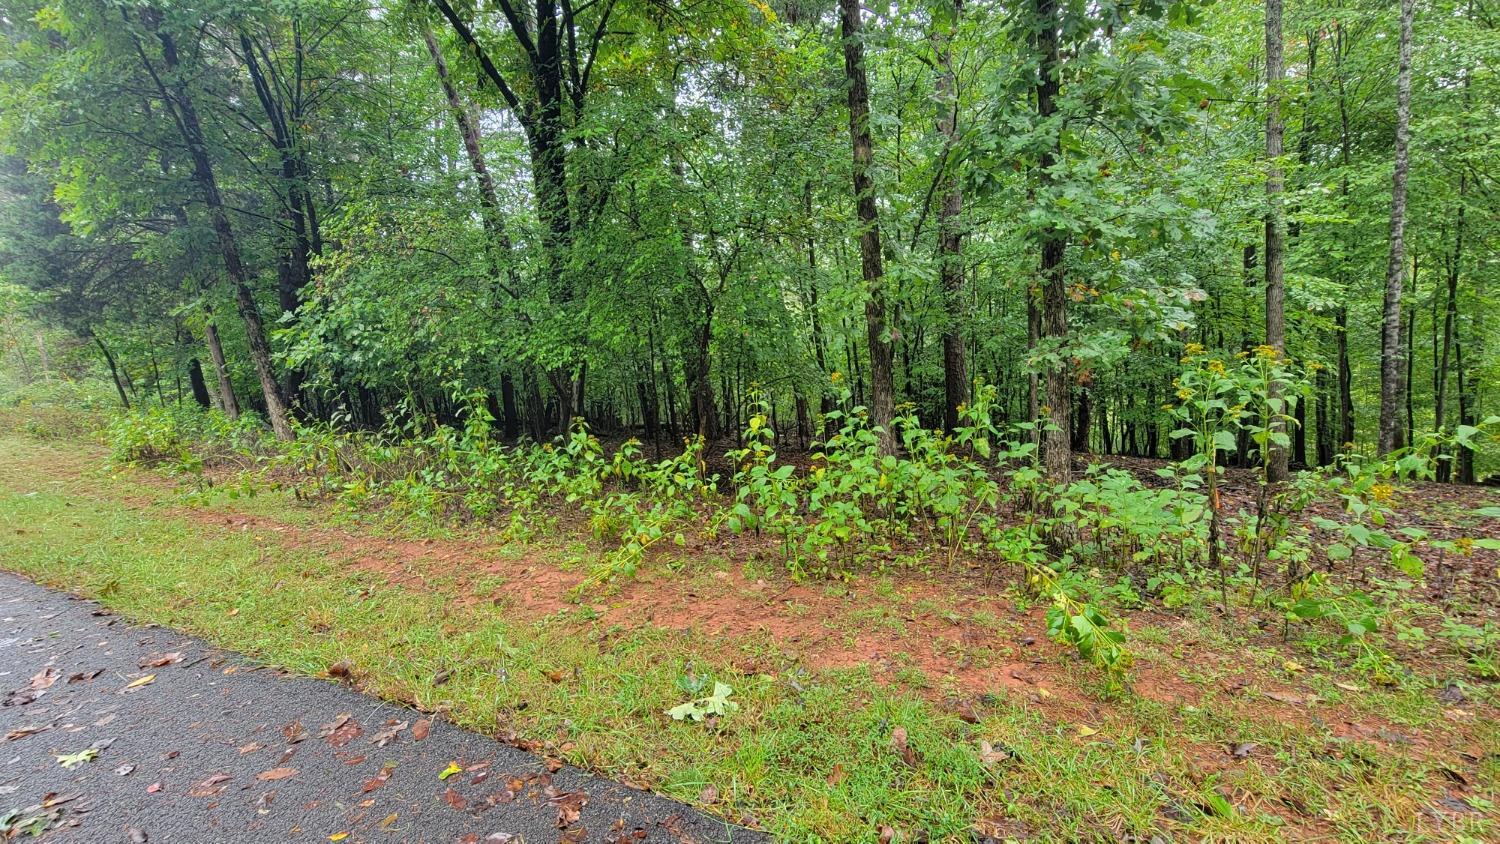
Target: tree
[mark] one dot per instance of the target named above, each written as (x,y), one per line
(1391,354)
(1276,469)
(882,404)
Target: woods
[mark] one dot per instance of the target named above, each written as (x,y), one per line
(640,214)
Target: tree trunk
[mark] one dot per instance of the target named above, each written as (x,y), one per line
(200,388)
(700,382)
(1450,319)
(1325,416)
(1389,438)
(227,400)
(950,233)
(114,371)
(1276,465)
(1341,313)
(1465,409)
(510,418)
(882,402)
(468,131)
(1056,454)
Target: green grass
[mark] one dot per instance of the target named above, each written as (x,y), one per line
(808,756)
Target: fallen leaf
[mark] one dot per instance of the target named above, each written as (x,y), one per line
(904,750)
(125,770)
(453,769)
(276,774)
(1243,749)
(1291,698)
(161,661)
(153,788)
(390,820)
(838,774)
(569,805)
(1085,730)
(54,799)
(140,681)
(990,755)
(887,834)
(250,748)
(388,733)
(136,836)
(294,732)
(342,730)
(73,760)
(421,729)
(338,836)
(456,800)
(442,677)
(343,670)
(44,678)
(23,732)
(85,676)
(379,779)
(709,795)
(209,787)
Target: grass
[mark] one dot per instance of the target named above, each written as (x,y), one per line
(809,754)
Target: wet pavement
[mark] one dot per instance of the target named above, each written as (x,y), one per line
(111,732)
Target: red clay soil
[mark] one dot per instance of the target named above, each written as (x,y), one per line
(965,663)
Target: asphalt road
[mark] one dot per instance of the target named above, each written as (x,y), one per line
(214,748)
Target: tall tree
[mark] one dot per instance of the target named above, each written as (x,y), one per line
(1276,468)
(171,84)
(872,269)
(1057,453)
(1391,353)
(950,231)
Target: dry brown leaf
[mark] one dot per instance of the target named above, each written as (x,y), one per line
(342,730)
(44,678)
(379,779)
(294,732)
(569,805)
(903,749)
(23,732)
(838,774)
(209,787)
(276,774)
(421,729)
(388,733)
(161,660)
(456,800)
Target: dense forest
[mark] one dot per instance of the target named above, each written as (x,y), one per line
(651,214)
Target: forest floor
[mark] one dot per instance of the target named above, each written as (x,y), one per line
(925,702)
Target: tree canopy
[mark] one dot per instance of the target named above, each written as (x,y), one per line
(646,213)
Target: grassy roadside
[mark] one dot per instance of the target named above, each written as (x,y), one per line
(809,755)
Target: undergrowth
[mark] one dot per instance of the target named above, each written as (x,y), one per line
(1102,543)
